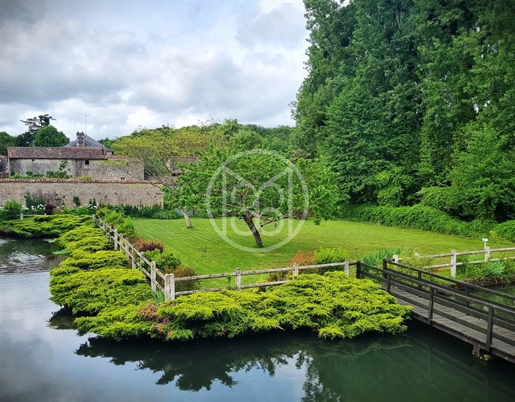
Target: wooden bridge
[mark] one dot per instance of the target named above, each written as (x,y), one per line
(454,307)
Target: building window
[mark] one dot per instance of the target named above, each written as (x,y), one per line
(86,162)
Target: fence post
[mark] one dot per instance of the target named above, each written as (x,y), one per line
(395,258)
(487,253)
(169,287)
(153,275)
(453,263)
(358,269)
(295,268)
(489,328)
(346,267)
(116,240)
(133,258)
(238,279)
(431,305)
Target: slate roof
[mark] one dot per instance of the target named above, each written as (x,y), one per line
(89,142)
(56,153)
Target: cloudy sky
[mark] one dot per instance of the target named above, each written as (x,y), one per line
(147,63)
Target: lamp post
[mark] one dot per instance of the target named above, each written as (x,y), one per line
(487,249)
(485,240)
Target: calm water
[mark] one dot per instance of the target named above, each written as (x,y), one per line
(43,359)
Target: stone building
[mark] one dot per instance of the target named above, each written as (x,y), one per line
(80,158)
(97,174)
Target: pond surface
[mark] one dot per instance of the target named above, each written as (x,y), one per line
(42,358)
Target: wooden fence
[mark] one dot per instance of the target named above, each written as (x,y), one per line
(238,273)
(454,263)
(158,281)
(166,282)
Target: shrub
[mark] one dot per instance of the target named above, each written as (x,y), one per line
(417,217)
(413,259)
(97,260)
(165,215)
(11,210)
(330,255)
(111,216)
(166,261)
(376,258)
(182,272)
(461,270)
(304,258)
(506,230)
(332,305)
(493,268)
(34,204)
(144,245)
(127,227)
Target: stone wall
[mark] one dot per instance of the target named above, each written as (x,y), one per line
(3,167)
(62,192)
(110,169)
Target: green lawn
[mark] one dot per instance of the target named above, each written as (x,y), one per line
(202,249)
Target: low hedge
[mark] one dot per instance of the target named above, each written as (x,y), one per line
(427,218)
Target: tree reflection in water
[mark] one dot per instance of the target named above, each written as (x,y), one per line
(197,364)
(422,365)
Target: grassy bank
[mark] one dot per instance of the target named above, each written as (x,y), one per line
(202,249)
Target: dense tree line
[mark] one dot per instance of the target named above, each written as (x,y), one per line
(412,101)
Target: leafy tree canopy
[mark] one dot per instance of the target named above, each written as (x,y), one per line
(48,136)
(33,125)
(399,93)
(6,141)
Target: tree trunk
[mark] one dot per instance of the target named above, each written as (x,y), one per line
(247,217)
(184,212)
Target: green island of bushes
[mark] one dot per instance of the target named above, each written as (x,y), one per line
(116,302)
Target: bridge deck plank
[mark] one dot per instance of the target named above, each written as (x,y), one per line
(498,347)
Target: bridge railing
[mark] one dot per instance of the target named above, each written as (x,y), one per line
(433,293)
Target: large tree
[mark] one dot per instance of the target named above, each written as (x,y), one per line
(33,125)
(48,136)
(259,187)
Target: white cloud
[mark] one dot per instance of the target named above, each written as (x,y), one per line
(172,63)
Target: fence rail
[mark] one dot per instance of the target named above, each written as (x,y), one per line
(166,282)
(454,263)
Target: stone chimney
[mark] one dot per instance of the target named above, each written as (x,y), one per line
(81,140)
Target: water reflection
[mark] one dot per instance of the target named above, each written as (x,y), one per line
(406,367)
(219,359)
(26,255)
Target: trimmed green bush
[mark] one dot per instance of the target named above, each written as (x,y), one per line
(47,226)
(333,305)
